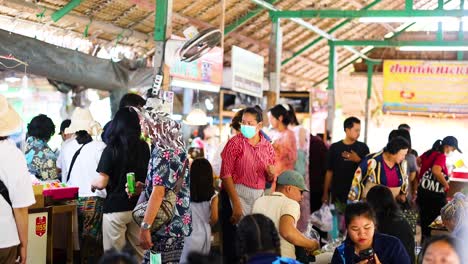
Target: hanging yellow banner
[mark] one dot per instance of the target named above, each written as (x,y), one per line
(425,86)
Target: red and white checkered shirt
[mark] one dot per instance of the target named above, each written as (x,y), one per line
(247,164)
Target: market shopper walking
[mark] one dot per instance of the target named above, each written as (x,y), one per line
(39,156)
(390,219)
(342,161)
(125,153)
(283,141)
(15,189)
(167,171)
(204,207)
(247,164)
(78,161)
(433,185)
(387,167)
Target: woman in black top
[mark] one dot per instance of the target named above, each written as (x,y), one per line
(126,152)
(390,220)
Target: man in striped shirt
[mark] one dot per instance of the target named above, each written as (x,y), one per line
(247,164)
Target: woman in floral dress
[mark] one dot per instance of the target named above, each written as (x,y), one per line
(168,162)
(40,158)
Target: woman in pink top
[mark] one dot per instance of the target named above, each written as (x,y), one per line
(284,141)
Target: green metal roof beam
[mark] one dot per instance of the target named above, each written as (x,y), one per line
(395,35)
(368,13)
(396,43)
(242,20)
(315,41)
(353,61)
(57,15)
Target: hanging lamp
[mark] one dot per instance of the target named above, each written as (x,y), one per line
(196,117)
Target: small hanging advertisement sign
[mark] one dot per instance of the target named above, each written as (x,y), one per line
(247,72)
(208,69)
(425,86)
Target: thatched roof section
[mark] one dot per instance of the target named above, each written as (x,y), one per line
(131,22)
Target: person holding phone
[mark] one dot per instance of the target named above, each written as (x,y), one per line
(363,244)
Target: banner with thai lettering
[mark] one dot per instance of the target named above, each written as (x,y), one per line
(207,69)
(425,86)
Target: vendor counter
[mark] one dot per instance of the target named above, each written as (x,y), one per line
(44,217)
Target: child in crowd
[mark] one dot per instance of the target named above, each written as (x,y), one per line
(204,207)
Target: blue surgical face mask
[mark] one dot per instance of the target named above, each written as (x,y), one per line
(248,131)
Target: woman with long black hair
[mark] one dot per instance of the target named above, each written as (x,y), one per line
(125,153)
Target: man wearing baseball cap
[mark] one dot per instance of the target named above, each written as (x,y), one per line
(282,207)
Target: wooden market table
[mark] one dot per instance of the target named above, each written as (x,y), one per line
(71,211)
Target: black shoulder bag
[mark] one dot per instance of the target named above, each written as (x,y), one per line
(4,192)
(73,160)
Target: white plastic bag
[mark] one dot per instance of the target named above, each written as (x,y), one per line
(322,218)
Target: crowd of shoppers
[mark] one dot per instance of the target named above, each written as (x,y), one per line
(271,182)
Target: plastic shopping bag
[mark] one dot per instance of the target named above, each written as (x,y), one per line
(322,218)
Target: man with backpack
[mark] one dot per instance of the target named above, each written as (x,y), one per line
(15,189)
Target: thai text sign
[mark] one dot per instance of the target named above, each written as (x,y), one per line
(207,68)
(426,86)
(247,72)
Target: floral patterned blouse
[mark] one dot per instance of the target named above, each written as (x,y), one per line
(41,159)
(165,167)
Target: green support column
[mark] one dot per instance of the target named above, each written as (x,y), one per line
(460,31)
(274,58)
(160,21)
(57,15)
(408,5)
(370,72)
(332,71)
(440,33)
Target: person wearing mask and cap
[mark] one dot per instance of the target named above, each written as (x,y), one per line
(15,189)
(433,182)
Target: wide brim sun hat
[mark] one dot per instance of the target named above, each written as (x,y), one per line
(10,121)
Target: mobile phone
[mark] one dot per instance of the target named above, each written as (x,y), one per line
(367,254)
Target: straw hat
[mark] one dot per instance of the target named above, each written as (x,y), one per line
(82,120)
(10,121)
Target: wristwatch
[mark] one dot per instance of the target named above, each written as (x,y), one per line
(145,226)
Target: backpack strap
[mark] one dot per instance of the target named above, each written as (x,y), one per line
(4,192)
(73,160)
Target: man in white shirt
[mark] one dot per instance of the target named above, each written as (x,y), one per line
(282,207)
(18,189)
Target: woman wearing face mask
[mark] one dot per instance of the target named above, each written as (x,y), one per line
(247,164)
(365,246)
(433,185)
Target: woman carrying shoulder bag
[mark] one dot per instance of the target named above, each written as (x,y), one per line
(433,185)
(167,173)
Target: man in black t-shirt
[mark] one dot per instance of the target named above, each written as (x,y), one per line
(342,161)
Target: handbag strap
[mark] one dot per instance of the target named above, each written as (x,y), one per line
(4,192)
(74,159)
(178,184)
